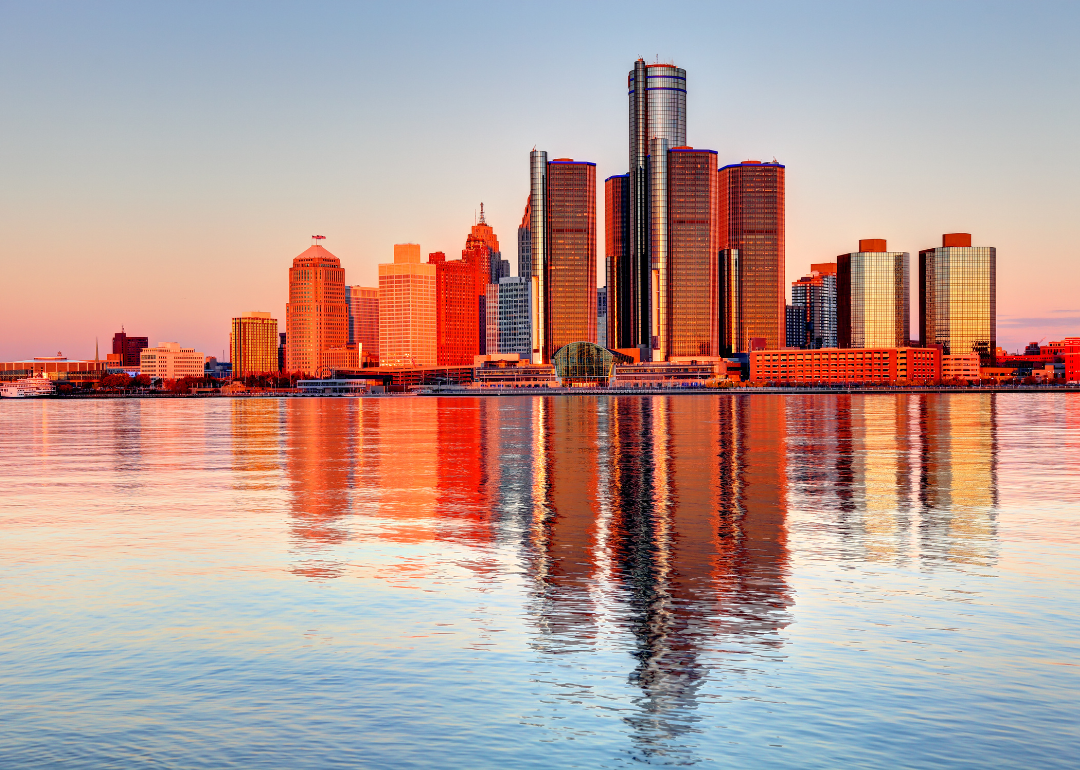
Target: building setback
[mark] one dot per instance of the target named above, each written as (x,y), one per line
(407,335)
(752,201)
(363,302)
(316,316)
(872,297)
(253,343)
(958,297)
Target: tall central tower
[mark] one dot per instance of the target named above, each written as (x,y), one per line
(657,123)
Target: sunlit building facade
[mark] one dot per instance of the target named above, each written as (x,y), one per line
(752,220)
(457,311)
(730,302)
(129,348)
(958,297)
(617,259)
(601,316)
(882,365)
(508,317)
(316,316)
(253,344)
(686,304)
(170,361)
(812,313)
(873,297)
(363,302)
(407,331)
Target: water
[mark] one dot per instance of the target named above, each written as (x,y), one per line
(710,580)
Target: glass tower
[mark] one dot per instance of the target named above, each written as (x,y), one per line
(752,202)
(616,245)
(872,297)
(958,297)
(815,296)
(569,274)
(538,250)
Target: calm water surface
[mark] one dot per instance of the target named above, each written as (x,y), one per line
(713,580)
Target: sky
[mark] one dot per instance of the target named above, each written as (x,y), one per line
(162,163)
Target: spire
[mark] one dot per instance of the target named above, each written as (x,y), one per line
(96,349)
(482,214)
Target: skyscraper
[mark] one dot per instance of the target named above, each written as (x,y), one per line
(253,344)
(872,297)
(686,299)
(407,334)
(363,302)
(129,348)
(569,256)
(617,263)
(815,295)
(524,265)
(601,316)
(457,311)
(958,297)
(730,302)
(657,123)
(752,221)
(537,209)
(316,317)
(508,328)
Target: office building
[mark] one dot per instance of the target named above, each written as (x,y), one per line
(686,311)
(960,366)
(815,295)
(253,343)
(483,233)
(129,348)
(616,258)
(564,253)
(407,334)
(730,303)
(281,351)
(508,328)
(958,297)
(752,200)
(872,297)
(316,317)
(457,310)
(877,364)
(170,361)
(524,266)
(657,94)
(363,306)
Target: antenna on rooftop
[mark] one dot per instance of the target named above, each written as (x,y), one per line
(482,213)
(317,238)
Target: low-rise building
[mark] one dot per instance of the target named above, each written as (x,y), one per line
(346,357)
(960,366)
(846,365)
(57,367)
(678,372)
(170,361)
(513,371)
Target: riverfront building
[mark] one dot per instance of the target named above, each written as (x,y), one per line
(129,348)
(812,313)
(363,305)
(872,297)
(316,316)
(617,260)
(253,343)
(752,201)
(407,332)
(170,361)
(56,367)
(508,329)
(879,364)
(958,297)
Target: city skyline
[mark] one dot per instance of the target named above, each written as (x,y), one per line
(138,241)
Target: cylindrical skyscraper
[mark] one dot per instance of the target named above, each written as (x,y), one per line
(538,213)
(657,112)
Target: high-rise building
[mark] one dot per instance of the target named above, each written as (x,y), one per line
(253,344)
(281,352)
(601,316)
(657,95)
(524,266)
(958,297)
(617,262)
(457,310)
(568,267)
(316,317)
(129,348)
(730,303)
(815,294)
(407,335)
(508,329)
(686,308)
(872,297)
(363,302)
(485,234)
(752,221)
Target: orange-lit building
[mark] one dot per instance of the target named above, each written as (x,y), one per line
(752,200)
(688,313)
(316,316)
(253,344)
(363,304)
(960,366)
(170,361)
(618,267)
(56,367)
(407,331)
(570,254)
(457,305)
(128,348)
(873,297)
(846,365)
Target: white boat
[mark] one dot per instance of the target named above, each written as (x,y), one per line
(29,387)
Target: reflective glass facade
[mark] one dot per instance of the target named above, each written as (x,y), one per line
(538,216)
(816,295)
(524,265)
(657,94)
(688,306)
(586,362)
(873,304)
(730,302)
(752,201)
(253,343)
(570,269)
(508,302)
(363,304)
(601,316)
(617,258)
(958,300)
